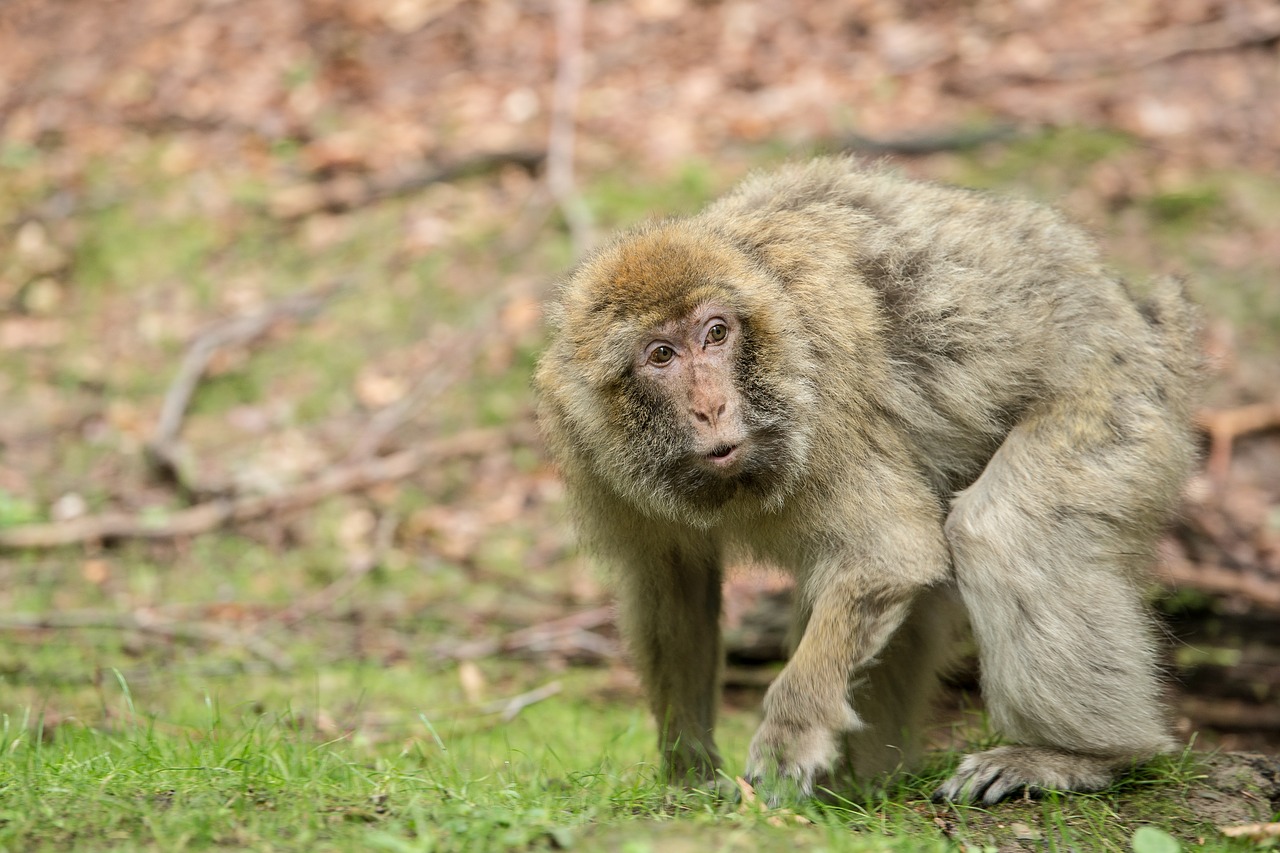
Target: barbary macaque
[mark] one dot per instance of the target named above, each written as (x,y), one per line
(936,409)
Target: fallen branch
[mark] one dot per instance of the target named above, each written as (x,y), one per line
(1224,426)
(147,623)
(1209,578)
(162,450)
(1235,31)
(1231,33)
(339,196)
(214,514)
(507,709)
(570,631)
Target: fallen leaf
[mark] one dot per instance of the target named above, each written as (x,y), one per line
(473,682)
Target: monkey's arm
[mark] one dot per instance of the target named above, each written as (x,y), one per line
(669,610)
(858,597)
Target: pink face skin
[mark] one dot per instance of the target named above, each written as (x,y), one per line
(692,360)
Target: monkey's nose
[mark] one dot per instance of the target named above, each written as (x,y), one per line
(709,415)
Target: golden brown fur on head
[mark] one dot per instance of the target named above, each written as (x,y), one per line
(650,276)
(610,419)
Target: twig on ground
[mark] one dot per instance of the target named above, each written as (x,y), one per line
(1231,33)
(1234,31)
(1224,426)
(205,517)
(573,631)
(335,197)
(462,350)
(507,709)
(147,623)
(163,450)
(564,102)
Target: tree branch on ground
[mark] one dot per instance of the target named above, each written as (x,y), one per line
(1233,32)
(340,196)
(163,450)
(1224,426)
(146,622)
(570,633)
(1246,584)
(221,512)
(507,708)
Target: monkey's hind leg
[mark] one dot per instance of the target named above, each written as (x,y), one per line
(1048,545)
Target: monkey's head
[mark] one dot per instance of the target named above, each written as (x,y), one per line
(677,378)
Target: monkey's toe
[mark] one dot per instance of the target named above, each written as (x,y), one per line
(781,789)
(991,776)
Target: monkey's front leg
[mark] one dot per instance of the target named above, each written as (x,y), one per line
(669,609)
(806,710)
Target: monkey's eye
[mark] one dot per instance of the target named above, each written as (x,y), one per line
(717,333)
(662,354)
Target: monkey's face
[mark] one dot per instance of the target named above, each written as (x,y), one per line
(697,424)
(675,380)
(690,364)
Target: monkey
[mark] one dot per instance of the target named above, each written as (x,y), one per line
(938,411)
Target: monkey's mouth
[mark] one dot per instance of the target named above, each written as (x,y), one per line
(723,455)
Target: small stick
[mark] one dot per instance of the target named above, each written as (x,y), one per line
(510,708)
(534,635)
(1224,426)
(302,201)
(1221,581)
(433,382)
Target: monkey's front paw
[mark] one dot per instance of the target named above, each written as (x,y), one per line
(1007,770)
(787,757)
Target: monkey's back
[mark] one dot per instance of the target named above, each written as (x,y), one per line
(983,307)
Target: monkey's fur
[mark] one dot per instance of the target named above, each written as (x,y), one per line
(933,407)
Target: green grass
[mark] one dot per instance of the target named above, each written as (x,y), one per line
(352,758)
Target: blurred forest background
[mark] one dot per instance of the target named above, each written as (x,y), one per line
(270,277)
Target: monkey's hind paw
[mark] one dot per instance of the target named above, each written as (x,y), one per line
(991,776)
